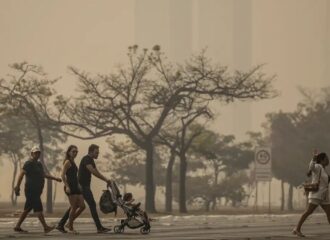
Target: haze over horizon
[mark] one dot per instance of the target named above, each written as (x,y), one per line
(291,37)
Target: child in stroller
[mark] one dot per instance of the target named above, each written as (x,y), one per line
(135,217)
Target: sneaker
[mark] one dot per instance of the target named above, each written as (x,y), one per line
(49,229)
(20,230)
(103,230)
(72,231)
(61,229)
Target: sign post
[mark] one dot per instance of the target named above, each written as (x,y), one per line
(263,170)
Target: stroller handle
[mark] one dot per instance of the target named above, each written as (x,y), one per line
(115,193)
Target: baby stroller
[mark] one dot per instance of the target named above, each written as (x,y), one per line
(135,217)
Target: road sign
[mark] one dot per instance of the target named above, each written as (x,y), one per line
(263,164)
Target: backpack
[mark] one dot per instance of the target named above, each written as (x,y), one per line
(106,203)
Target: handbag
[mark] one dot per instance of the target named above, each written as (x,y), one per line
(107,205)
(312,187)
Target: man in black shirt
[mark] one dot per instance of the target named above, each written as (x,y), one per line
(87,167)
(34,184)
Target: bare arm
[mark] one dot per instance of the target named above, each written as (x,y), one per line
(66,166)
(96,173)
(19,180)
(312,164)
(48,176)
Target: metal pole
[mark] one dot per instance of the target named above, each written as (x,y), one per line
(256,200)
(269,203)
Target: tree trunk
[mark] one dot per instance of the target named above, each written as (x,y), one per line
(182,184)
(226,201)
(49,201)
(216,176)
(282,196)
(150,185)
(214,203)
(290,198)
(13,195)
(168,186)
(207,205)
(54,195)
(219,203)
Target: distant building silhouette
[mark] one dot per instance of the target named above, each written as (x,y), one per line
(185,27)
(242,59)
(326,79)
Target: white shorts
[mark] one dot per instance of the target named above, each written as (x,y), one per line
(317,201)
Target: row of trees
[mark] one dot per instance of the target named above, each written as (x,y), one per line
(150,102)
(215,168)
(294,135)
(151,96)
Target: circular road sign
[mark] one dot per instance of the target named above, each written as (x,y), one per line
(263,157)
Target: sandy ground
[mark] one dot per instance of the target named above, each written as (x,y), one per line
(204,227)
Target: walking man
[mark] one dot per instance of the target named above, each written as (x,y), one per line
(87,167)
(34,184)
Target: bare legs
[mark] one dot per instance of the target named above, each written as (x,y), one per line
(77,207)
(43,222)
(21,220)
(41,219)
(326,209)
(310,209)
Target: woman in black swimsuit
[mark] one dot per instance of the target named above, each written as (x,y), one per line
(71,186)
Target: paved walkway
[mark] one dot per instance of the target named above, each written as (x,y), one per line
(188,227)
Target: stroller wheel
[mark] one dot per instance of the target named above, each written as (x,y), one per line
(145,230)
(118,229)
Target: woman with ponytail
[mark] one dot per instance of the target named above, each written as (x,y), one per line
(72,188)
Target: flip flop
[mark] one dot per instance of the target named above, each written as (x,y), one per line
(297,233)
(61,229)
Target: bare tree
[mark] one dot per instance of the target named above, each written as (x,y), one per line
(179,140)
(139,99)
(12,139)
(27,94)
(128,163)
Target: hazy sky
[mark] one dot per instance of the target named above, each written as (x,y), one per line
(291,36)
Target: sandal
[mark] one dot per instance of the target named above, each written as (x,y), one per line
(20,230)
(297,233)
(61,229)
(49,229)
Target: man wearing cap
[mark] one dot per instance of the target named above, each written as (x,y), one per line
(34,183)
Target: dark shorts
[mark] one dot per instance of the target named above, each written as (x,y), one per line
(33,201)
(74,190)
